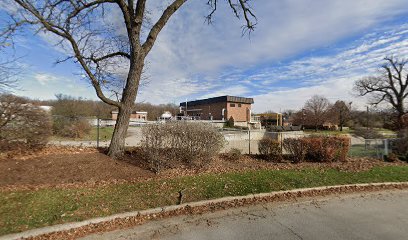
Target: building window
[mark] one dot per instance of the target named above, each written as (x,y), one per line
(232,104)
(239,104)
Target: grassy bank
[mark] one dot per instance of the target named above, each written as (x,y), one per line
(328,132)
(23,210)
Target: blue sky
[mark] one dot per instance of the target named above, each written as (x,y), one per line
(300,48)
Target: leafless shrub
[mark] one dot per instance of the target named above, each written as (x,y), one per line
(71,127)
(318,148)
(270,149)
(233,154)
(22,123)
(327,149)
(367,133)
(297,148)
(169,144)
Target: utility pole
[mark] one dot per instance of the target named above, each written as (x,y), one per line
(368,117)
(185,114)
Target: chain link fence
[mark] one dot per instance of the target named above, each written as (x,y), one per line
(90,132)
(247,140)
(94,132)
(373,148)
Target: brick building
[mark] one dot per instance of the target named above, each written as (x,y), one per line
(134,116)
(219,108)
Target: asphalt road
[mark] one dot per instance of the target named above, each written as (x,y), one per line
(357,216)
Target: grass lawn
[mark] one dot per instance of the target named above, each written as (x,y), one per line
(385,131)
(327,132)
(360,151)
(105,134)
(23,210)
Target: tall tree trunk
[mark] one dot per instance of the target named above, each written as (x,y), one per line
(117,144)
(400,121)
(400,113)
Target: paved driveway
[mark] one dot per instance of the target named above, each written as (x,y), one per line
(358,216)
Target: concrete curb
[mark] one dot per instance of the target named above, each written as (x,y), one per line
(252,198)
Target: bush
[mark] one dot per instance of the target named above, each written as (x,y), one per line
(71,127)
(296,147)
(317,148)
(367,133)
(400,145)
(230,123)
(270,149)
(27,126)
(169,144)
(233,154)
(327,149)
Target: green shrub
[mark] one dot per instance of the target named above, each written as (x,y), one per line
(270,149)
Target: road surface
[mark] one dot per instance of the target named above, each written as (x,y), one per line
(381,215)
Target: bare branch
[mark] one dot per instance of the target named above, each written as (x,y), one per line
(154,32)
(389,87)
(240,6)
(115,54)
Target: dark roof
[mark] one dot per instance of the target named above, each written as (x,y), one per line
(217,100)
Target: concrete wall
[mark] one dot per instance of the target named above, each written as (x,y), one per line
(242,141)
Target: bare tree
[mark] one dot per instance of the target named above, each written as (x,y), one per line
(391,86)
(7,73)
(316,111)
(83,28)
(341,113)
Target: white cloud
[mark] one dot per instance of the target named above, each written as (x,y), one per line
(44,78)
(232,91)
(332,75)
(333,89)
(194,60)
(44,85)
(189,49)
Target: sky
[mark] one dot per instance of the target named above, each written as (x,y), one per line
(299,48)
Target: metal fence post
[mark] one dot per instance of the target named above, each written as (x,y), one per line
(385,147)
(97,133)
(249,141)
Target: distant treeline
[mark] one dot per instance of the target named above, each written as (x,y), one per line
(70,106)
